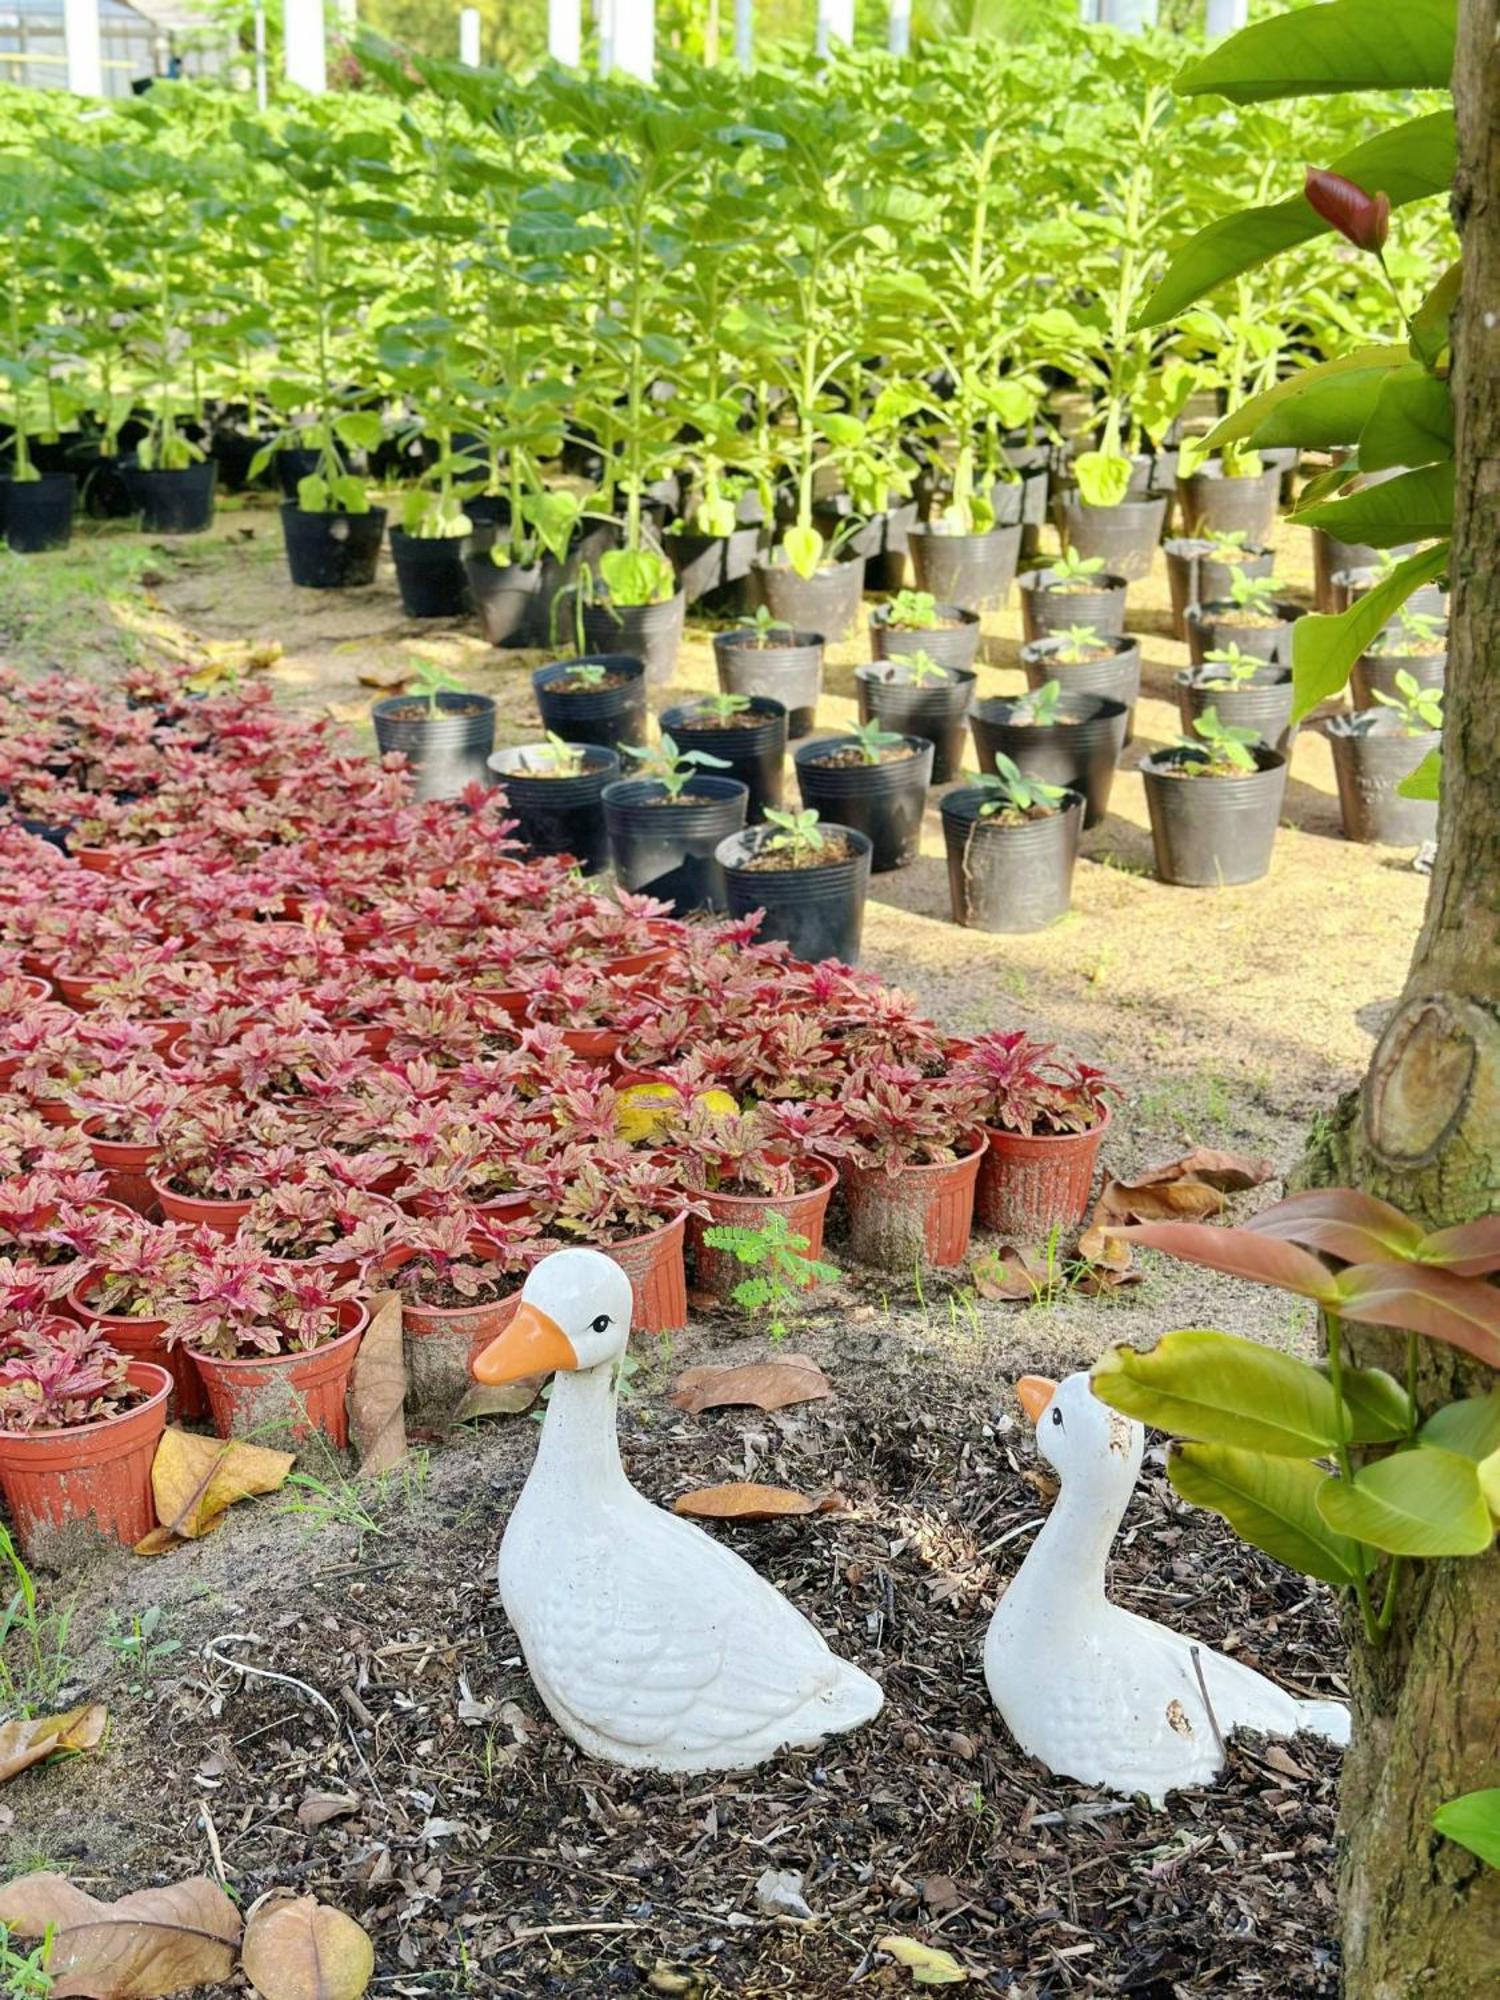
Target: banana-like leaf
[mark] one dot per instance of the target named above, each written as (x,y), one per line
(1413,507)
(1346,1223)
(1325,51)
(1472,1249)
(1320,407)
(1325,645)
(1426,782)
(1379,1408)
(1238,1252)
(1272,1503)
(1424,1502)
(1474,1822)
(1471,1426)
(1219,1389)
(1411,423)
(1429,323)
(1461,1312)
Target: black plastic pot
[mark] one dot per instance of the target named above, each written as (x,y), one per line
(1371,755)
(1009,878)
(952,645)
(669,850)
(560,815)
(174,503)
(790,671)
(101,484)
(331,551)
(1125,535)
(1034,463)
(1429,600)
(1118,677)
(1215,504)
(1209,833)
(880,541)
(430,574)
(819,912)
(1331,557)
(1196,576)
(827,602)
(514,600)
(1046,612)
(974,572)
(707,566)
(447,749)
(937,710)
(37,514)
(651,633)
(1376,671)
(753,747)
(884,801)
(1080,754)
(608,716)
(1211,629)
(294,463)
(1263,704)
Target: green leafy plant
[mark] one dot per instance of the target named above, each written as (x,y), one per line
(1039,706)
(1218,749)
(429,680)
(781,1270)
(723,707)
(1077,643)
(922,670)
(912,611)
(34,1657)
(1418,709)
(137,1648)
(870,740)
(26,1975)
(1010,794)
(796,833)
(1415,633)
(1254,594)
(673,769)
(1234,668)
(1072,568)
(1474,1822)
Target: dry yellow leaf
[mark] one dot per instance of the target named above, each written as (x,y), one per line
(150,1943)
(378,1392)
(31,1740)
(928,1966)
(297,1948)
(765,1385)
(744,1500)
(193,1479)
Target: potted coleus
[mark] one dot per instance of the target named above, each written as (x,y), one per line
(1214,799)
(138,1265)
(1248,691)
(918,695)
(808,879)
(1415,643)
(1070,591)
(459,1274)
(913,621)
(629,1204)
(665,826)
(598,698)
(556,791)
(1012,842)
(444,731)
(1045,1114)
(914,1153)
(747,733)
(1201,569)
(1057,735)
(1375,752)
(217,1156)
(124,1112)
(774,660)
(1086,661)
(873,780)
(1253,616)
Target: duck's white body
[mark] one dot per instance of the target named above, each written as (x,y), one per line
(1093,1691)
(651,1644)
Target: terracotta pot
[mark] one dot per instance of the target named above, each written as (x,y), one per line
(98,1474)
(128,1167)
(442,1343)
(499,1208)
(1030,1186)
(225,1216)
(114,860)
(144,1340)
(658,1276)
(264,1397)
(923,1214)
(74,988)
(592,1045)
(719,1271)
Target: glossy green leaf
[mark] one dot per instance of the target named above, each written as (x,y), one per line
(1103,478)
(1471,1426)
(1379,1408)
(1411,423)
(1320,407)
(1426,782)
(1489,1482)
(1430,321)
(1414,507)
(1220,1389)
(1326,645)
(1425,1502)
(804,549)
(1474,1822)
(1272,1503)
(1326,50)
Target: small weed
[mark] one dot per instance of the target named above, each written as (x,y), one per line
(24,1975)
(1194,1104)
(782,1270)
(34,1659)
(138,1648)
(336,1500)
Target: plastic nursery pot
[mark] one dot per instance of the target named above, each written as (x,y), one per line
(513,600)
(1080,754)
(1263,703)
(1034,464)
(1429,600)
(608,715)
(880,541)
(654,1264)
(1124,535)
(267,1396)
(128,1167)
(884,800)
(752,744)
(923,1214)
(225,1216)
(1049,605)
(1195,575)
(331,551)
(1214,503)
(666,848)
(1117,676)
(1009,878)
(1375,672)
(430,574)
(447,742)
(937,711)
(710,565)
(1371,755)
(789,670)
(1212,627)
(37,514)
(560,815)
(94,1477)
(973,572)
(1030,1185)
(651,633)
(1331,558)
(173,503)
(719,1271)
(442,1343)
(954,642)
(819,911)
(826,603)
(145,1340)
(294,463)
(1210,833)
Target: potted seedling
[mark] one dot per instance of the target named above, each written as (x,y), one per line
(773,659)
(630,604)
(1234,491)
(920,696)
(517,563)
(1201,569)
(556,791)
(36,505)
(1374,751)
(1060,735)
(747,733)
(1214,799)
(1416,644)
(1086,661)
(444,731)
(1253,617)
(666,825)
(1247,691)
(809,879)
(743,1167)
(598,698)
(873,780)
(1011,842)
(1073,590)
(914,622)
(1045,1114)
(914,1153)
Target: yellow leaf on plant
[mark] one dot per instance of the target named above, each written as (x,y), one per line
(193,1479)
(297,1948)
(927,1965)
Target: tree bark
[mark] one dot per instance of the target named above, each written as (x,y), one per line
(1421,1916)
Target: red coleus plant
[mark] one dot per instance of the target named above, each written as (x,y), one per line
(767,1150)
(56,1375)
(894,1116)
(460,1259)
(237,1301)
(603,1192)
(322,1217)
(130,1106)
(222,1150)
(1032,1087)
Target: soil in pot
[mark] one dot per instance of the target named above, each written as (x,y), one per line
(1261,701)
(271,1397)
(1010,871)
(600,698)
(447,742)
(1372,752)
(921,1215)
(1211,831)
(814,901)
(1032,1183)
(781,664)
(559,811)
(331,551)
(1110,667)
(952,640)
(974,572)
(1078,748)
(825,604)
(37,514)
(920,703)
(1200,571)
(666,847)
(430,574)
(751,741)
(883,798)
(1213,627)
(1124,535)
(650,633)
(1053,602)
(173,503)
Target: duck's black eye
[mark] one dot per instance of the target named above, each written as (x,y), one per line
(601,1322)
(1057,1416)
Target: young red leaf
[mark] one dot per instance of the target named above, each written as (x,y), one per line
(1463,1312)
(1342,1223)
(1470,1250)
(1262,1259)
(1364,219)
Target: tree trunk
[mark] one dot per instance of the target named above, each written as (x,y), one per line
(1421,1915)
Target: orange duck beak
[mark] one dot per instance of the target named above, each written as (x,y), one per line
(1034,1393)
(533,1344)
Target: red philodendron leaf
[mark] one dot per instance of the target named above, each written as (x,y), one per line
(1342,1223)
(1469,1250)
(1364,219)
(1463,1312)
(1263,1259)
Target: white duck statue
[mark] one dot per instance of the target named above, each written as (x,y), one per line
(1091,1690)
(652,1645)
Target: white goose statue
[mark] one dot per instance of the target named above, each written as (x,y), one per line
(1091,1690)
(652,1645)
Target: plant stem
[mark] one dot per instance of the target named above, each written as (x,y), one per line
(1333,1341)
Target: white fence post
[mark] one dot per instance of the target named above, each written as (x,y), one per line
(635,38)
(744,33)
(1225,17)
(468,37)
(898,28)
(306,54)
(835,24)
(85,54)
(565,32)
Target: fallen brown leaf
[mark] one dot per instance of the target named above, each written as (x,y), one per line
(348,711)
(318,1808)
(764,1385)
(32,1740)
(297,1948)
(392,676)
(193,1480)
(148,1944)
(1011,1272)
(507,1399)
(744,1500)
(1231,1172)
(1121,1202)
(378,1391)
